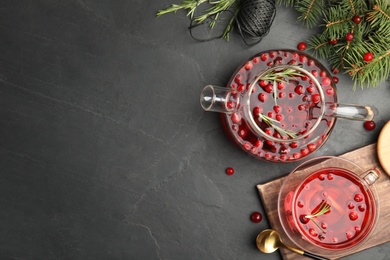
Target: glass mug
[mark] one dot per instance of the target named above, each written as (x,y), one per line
(280,105)
(329,206)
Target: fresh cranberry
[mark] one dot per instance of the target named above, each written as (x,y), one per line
(333,41)
(262,97)
(368,57)
(304,151)
(294,145)
(311,147)
(316,98)
(236,118)
(230,104)
(349,37)
(312,232)
(229,171)
(356,19)
(369,125)
(256,60)
(326,81)
(263,57)
(335,70)
(335,79)
(302,46)
(256,111)
(277,109)
(329,91)
(238,78)
(299,89)
(362,208)
(269,88)
(242,132)
(241,87)
(353,216)
(256,217)
(303,219)
(301,107)
(358,197)
(263,83)
(247,145)
(248,66)
(279,117)
(258,143)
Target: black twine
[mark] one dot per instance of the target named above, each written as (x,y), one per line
(254,20)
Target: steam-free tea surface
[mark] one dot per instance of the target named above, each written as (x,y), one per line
(365,157)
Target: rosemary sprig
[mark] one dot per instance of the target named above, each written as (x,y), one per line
(280,76)
(323,208)
(213,13)
(271,122)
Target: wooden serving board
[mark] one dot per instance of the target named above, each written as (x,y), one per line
(365,157)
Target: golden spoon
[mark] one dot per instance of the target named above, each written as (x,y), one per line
(268,241)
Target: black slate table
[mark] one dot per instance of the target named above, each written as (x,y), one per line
(105,152)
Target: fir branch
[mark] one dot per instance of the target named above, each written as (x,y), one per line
(379,18)
(320,44)
(311,11)
(338,22)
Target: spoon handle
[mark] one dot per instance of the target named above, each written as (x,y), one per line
(313,256)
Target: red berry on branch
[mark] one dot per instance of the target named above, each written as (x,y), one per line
(368,57)
(335,70)
(369,125)
(256,217)
(333,41)
(356,19)
(302,46)
(349,37)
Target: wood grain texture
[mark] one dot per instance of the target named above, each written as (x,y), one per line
(383,148)
(366,157)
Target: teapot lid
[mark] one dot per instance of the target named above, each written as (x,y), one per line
(383,148)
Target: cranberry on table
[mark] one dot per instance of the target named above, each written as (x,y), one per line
(302,46)
(229,171)
(256,217)
(368,57)
(335,79)
(369,125)
(349,37)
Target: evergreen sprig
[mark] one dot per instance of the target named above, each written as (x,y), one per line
(372,35)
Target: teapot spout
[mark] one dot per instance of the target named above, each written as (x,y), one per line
(219,99)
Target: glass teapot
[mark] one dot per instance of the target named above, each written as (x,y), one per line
(280,105)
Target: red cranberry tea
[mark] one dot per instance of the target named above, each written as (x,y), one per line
(283,105)
(333,209)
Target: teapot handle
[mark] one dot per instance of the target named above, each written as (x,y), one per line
(349,111)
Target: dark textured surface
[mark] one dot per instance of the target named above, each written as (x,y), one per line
(105,152)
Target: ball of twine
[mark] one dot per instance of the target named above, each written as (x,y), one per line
(254,19)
